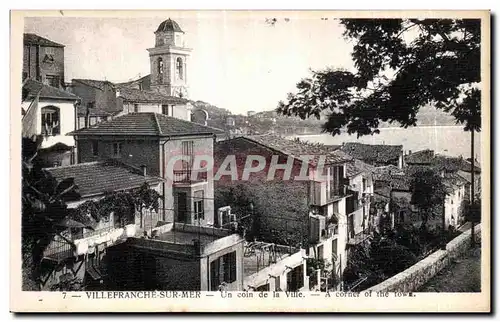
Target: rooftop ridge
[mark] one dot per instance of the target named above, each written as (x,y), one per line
(189,122)
(160,132)
(76,165)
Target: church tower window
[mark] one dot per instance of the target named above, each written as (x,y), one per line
(180,68)
(160,65)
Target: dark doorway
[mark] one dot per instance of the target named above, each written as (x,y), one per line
(350,223)
(182,208)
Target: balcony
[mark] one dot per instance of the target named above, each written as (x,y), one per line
(338,192)
(188,176)
(86,242)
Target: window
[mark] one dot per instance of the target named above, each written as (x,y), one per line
(53,80)
(50,121)
(199,212)
(136,108)
(364,184)
(160,65)
(320,250)
(222,270)
(295,278)
(182,210)
(350,226)
(336,181)
(49,50)
(81,122)
(277,283)
(179,68)
(187,151)
(352,202)
(95,148)
(334,249)
(164,109)
(117,149)
(92,120)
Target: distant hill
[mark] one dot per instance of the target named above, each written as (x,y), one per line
(266,121)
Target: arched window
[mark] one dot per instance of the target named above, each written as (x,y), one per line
(160,65)
(179,68)
(51,124)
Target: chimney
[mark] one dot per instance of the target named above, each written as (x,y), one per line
(87,117)
(409,152)
(143,168)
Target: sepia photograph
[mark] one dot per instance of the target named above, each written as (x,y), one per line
(283,160)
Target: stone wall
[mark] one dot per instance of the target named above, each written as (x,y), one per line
(417,275)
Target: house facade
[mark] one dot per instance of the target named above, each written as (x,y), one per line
(358,205)
(103,100)
(166,147)
(80,250)
(179,257)
(179,236)
(295,206)
(98,101)
(140,101)
(43,60)
(51,113)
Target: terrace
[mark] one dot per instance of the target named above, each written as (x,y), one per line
(185,239)
(259,255)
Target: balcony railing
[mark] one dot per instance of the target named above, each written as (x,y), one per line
(58,251)
(338,191)
(189,176)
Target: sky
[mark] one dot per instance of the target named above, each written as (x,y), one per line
(238,61)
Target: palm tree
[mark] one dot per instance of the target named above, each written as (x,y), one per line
(43,209)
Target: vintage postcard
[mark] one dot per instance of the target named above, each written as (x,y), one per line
(250,161)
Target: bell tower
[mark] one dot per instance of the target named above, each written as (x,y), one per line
(169,60)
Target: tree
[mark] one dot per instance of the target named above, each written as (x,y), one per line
(401,65)
(427,194)
(43,208)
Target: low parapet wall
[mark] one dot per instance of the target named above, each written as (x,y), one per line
(417,275)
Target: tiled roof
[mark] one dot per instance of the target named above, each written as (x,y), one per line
(356,167)
(372,153)
(465,175)
(137,95)
(94,178)
(452,164)
(400,182)
(420,157)
(33,39)
(298,149)
(47,91)
(383,173)
(454,180)
(147,124)
(99,84)
(132,83)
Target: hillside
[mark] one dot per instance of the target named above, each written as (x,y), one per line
(266,121)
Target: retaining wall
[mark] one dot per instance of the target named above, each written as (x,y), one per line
(417,275)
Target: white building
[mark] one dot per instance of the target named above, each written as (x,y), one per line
(51,113)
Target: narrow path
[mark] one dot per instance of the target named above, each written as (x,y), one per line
(464,275)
